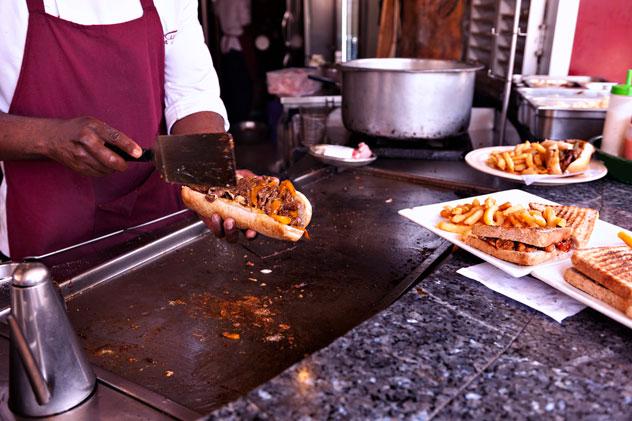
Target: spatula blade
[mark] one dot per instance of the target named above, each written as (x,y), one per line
(207,159)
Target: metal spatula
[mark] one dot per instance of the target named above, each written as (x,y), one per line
(206,159)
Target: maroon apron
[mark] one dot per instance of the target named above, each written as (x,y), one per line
(114,73)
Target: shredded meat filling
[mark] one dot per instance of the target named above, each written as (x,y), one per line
(264,193)
(568,156)
(564,245)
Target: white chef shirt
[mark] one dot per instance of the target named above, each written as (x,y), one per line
(191,83)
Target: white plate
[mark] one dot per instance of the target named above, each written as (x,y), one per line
(338,155)
(552,272)
(554,276)
(477,159)
(428,217)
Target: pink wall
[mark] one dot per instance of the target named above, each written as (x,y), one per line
(603,39)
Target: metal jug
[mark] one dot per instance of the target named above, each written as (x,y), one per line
(49,372)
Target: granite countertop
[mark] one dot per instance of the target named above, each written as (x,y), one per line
(450,348)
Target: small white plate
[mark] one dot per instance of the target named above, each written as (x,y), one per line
(477,159)
(340,156)
(552,272)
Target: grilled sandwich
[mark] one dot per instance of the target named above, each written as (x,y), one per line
(609,266)
(523,246)
(605,273)
(580,220)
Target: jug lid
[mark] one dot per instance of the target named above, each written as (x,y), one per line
(30,274)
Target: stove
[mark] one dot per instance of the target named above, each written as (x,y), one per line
(446,149)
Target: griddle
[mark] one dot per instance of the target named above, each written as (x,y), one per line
(202,321)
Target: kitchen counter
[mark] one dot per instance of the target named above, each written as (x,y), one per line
(352,335)
(451,348)
(200,322)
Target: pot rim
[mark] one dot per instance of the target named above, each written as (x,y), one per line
(409,65)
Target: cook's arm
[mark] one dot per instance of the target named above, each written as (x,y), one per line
(201,122)
(191,84)
(77,143)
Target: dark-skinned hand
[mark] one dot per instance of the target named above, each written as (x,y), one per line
(79,144)
(227,228)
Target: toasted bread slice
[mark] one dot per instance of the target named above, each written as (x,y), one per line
(590,287)
(518,257)
(609,266)
(580,220)
(538,237)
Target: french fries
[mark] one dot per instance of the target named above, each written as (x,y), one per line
(514,222)
(538,218)
(504,206)
(499,217)
(475,217)
(509,160)
(626,237)
(450,227)
(488,216)
(463,216)
(513,209)
(460,219)
(525,158)
(527,218)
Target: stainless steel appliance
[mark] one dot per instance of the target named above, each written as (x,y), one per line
(562,113)
(407,98)
(346,27)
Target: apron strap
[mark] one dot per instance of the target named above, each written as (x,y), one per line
(35,6)
(147,4)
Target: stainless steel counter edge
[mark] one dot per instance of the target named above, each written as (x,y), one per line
(128,261)
(125,262)
(145,396)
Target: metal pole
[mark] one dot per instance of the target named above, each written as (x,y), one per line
(307,30)
(344,29)
(509,78)
(35,376)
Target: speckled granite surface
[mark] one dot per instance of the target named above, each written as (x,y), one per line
(450,348)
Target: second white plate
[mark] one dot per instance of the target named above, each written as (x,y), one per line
(477,159)
(554,276)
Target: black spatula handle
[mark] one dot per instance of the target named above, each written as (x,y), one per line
(146,156)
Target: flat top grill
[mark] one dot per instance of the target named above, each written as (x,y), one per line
(202,325)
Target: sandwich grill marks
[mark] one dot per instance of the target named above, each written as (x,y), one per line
(580,220)
(616,261)
(574,216)
(608,266)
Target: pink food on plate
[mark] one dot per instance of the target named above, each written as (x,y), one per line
(362,152)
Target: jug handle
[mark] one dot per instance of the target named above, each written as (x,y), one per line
(38,383)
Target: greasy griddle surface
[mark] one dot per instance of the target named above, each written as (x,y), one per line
(203,325)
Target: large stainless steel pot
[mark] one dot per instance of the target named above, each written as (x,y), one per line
(407,98)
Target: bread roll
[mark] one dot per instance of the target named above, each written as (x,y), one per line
(248,217)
